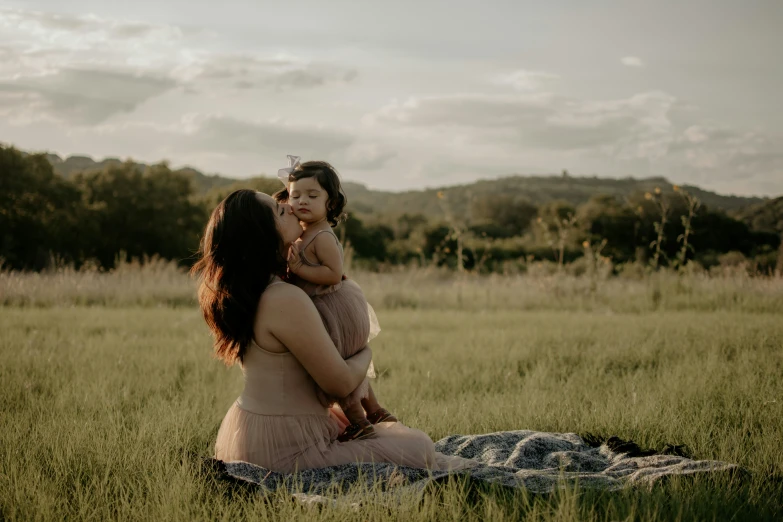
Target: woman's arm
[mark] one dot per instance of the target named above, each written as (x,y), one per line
(291,317)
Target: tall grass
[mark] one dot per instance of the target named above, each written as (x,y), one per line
(107,413)
(154,282)
(543,287)
(110,399)
(438,290)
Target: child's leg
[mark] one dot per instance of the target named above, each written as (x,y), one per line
(360,427)
(354,412)
(375,412)
(370,403)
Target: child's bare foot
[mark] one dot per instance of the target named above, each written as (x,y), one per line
(381,415)
(357,431)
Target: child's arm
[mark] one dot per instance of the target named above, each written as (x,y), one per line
(327,252)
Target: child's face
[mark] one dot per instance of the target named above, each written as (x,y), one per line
(308,199)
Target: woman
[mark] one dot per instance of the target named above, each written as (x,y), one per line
(274,331)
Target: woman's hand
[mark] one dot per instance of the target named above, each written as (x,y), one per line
(366,351)
(361,360)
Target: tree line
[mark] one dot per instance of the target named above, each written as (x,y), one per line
(126,211)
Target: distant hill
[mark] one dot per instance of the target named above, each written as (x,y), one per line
(536,189)
(764,217)
(73,164)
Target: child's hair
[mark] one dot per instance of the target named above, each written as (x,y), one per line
(327,177)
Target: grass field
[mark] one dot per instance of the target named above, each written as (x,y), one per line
(106,410)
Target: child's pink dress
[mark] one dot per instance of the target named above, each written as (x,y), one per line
(349,319)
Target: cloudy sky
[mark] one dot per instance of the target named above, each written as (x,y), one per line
(405,94)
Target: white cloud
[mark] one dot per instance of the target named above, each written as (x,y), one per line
(222,133)
(365,155)
(85,69)
(538,120)
(523,80)
(53,46)
(695,134)
(464,110)
(726,151)
(79,96)
(248,71)
(632,61)
(90,37)
(43,43)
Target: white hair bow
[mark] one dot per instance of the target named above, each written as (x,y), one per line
(293,162)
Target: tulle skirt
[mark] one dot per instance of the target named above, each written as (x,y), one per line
(286,443)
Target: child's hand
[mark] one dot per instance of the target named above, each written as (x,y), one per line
(294,259)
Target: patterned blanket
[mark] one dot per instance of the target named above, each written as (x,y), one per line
(537,461)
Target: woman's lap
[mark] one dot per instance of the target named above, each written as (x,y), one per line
(394,443)
(274,447)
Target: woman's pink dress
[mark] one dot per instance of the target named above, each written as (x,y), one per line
(279,423)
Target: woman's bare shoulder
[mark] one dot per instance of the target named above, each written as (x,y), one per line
(283,295)
(280,306)
(285,306)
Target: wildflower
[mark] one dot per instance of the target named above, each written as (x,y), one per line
(586,244)
(647,196)
(676,188)
(441,195)
(539,220)
(657,190)
(447,250)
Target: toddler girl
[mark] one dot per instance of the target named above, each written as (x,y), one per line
(315,264)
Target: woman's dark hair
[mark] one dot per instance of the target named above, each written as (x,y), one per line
(238,256)
(327,177)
